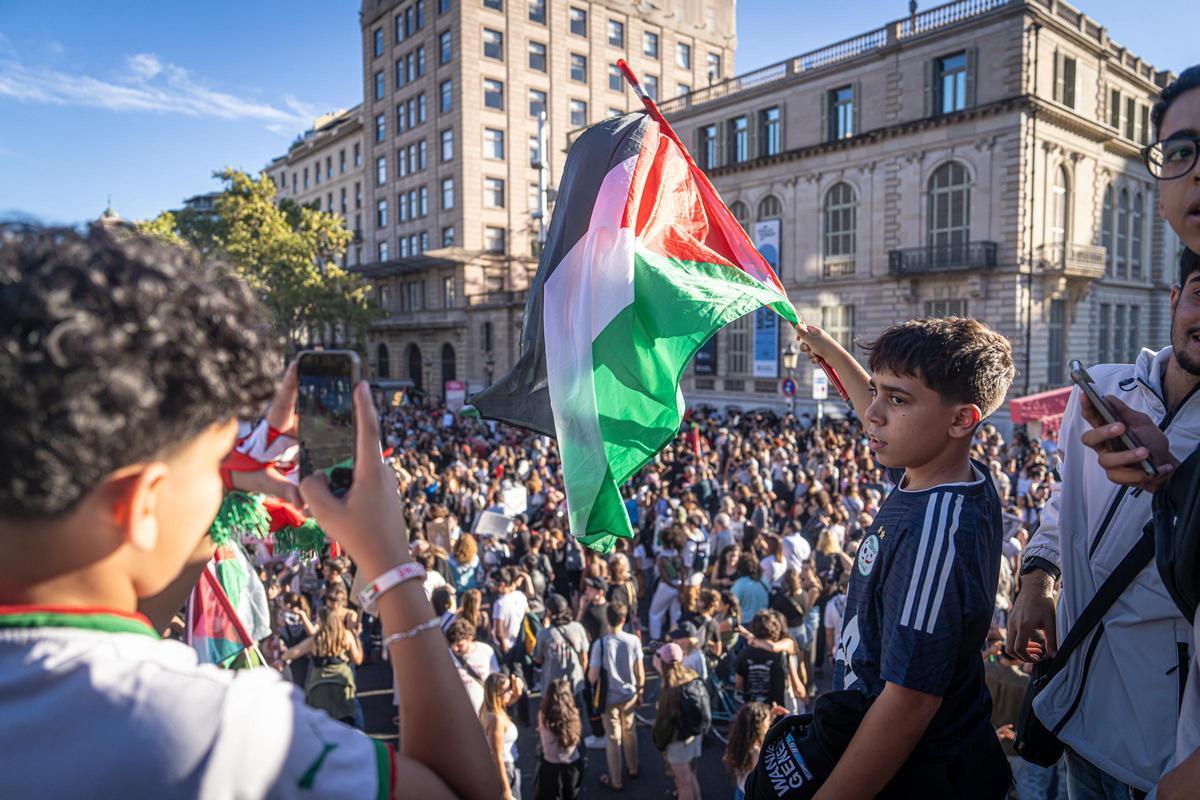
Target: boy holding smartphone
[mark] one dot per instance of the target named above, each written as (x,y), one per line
(923,585)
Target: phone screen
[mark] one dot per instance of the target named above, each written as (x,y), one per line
(326,410)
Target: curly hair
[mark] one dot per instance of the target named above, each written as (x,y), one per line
(746,735)
(560,714)
(115,347)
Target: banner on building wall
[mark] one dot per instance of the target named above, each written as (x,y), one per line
(706,358)
(766,325)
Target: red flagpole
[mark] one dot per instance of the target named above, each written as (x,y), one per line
(657,116)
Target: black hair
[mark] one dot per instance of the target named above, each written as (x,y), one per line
(1189,79)
(1189,262)
(115,347)
(961,359)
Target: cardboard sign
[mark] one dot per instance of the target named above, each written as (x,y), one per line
(489,523)
(438,533)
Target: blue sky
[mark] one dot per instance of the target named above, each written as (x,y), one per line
(143,100)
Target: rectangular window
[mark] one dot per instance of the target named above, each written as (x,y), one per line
(578,113)
(770,137)
(381,213)
(401,75)
(401,118)
(421,111)
(357,196)
(650,84)
(650,44)
(422,154)
(329,167)
(448,293)
(383,250)
(1057,330)
(447,194)
(537,56)
(1131,354)
(380,128)
(1114,108)
(946,308)
(578,21)
(416,297)
(493,239)
(381,171)
(446,97)
(317,172)
(493,143)
(495,5)
(306,177)
(1105,333)
(537,11)
(841,113)
(410,21)
(838,322)
(401,163)
(1130,117)
(421,60)
(448,144)
(424,201)
(616,81)
(493,44)
(1143,129)
(737,340)
(578,68)
(343,206)
(400,28)
(379,85)
(377,36)
(537,102)
(420,14)
(683,55)
(535,152)
(402,212)
(616,33)
(493,94)
(445,48)
(443,6)
(535,197)
(682,88)
(1119,334)
(708,147)
(493,193)
(951,83)
(342,160)
(615,112)
(714,67)
(739,139)
(448,236)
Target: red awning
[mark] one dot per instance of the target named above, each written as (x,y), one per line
(1039,407)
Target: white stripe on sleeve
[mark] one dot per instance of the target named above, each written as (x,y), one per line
(914,583)
(947,567)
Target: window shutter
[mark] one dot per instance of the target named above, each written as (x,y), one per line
(856,95)
(972,61)
(929,98)
(1058,76)
(722,143)
(826,125)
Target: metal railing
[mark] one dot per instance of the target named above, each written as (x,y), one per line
(838,267)
(947,14)
(502,298)
(1074,260)
(942,258)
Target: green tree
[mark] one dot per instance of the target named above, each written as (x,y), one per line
(286,251)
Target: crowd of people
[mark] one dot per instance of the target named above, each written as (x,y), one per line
(734,586)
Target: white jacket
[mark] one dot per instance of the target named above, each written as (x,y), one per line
(1123,684)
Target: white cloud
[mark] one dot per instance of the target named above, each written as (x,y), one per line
(149,84)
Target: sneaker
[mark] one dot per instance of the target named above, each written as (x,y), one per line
(594,742)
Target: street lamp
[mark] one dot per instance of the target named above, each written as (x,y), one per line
(489,368)
(428,380)
(791,356)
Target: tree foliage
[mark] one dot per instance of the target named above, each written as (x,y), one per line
(286,251)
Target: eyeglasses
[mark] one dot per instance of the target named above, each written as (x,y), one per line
(1173,157)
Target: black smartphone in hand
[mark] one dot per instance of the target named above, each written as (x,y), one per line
(1126,441)
(325,407)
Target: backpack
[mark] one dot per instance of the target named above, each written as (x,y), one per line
(1177,535)
(695,713)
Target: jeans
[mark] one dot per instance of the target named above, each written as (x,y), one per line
(664,602)
(1085,781)
(620,736)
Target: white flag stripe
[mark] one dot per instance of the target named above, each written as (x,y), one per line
(914,583)
(947,566)
(928,568)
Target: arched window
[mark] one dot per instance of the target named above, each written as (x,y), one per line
(1135,237)
(740,213)
(949,228)
(1106,230)
(1122,233)
(770,208)
(486,332)
(415,373)
(383,361)
(1060,205)
(449,364)
(841,224)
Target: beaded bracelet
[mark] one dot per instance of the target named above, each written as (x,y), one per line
(411,632)
(389,580)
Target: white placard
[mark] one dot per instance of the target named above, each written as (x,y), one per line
(820,384)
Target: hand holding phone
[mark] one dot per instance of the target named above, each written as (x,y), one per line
(1125,440)
(324,404)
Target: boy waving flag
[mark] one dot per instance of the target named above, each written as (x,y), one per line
(642,264)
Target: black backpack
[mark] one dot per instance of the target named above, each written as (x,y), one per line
(1177,535)
(695,713)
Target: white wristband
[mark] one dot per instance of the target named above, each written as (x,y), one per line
(387,581)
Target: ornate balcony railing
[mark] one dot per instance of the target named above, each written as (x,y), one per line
(942,258)
(1074,260)
(838,267)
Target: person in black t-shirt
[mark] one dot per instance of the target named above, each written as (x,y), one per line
(592,607)
(761,677)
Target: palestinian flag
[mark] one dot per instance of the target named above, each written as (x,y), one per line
(227,611)
(642,264)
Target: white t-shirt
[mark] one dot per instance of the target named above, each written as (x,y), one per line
(481,660)
(433,579)
(510,610)
(695,661)
(156,723)
(835,612)
(796,550)
(772,570)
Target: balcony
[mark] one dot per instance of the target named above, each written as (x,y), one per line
(838,267)
(942,258)
(1072,260)
(499,298)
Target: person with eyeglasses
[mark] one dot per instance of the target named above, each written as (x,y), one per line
(1173,161)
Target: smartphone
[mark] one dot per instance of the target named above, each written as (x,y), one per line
(325,407)
(1126,440)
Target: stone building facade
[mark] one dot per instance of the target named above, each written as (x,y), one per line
(452,93)
(980,158)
